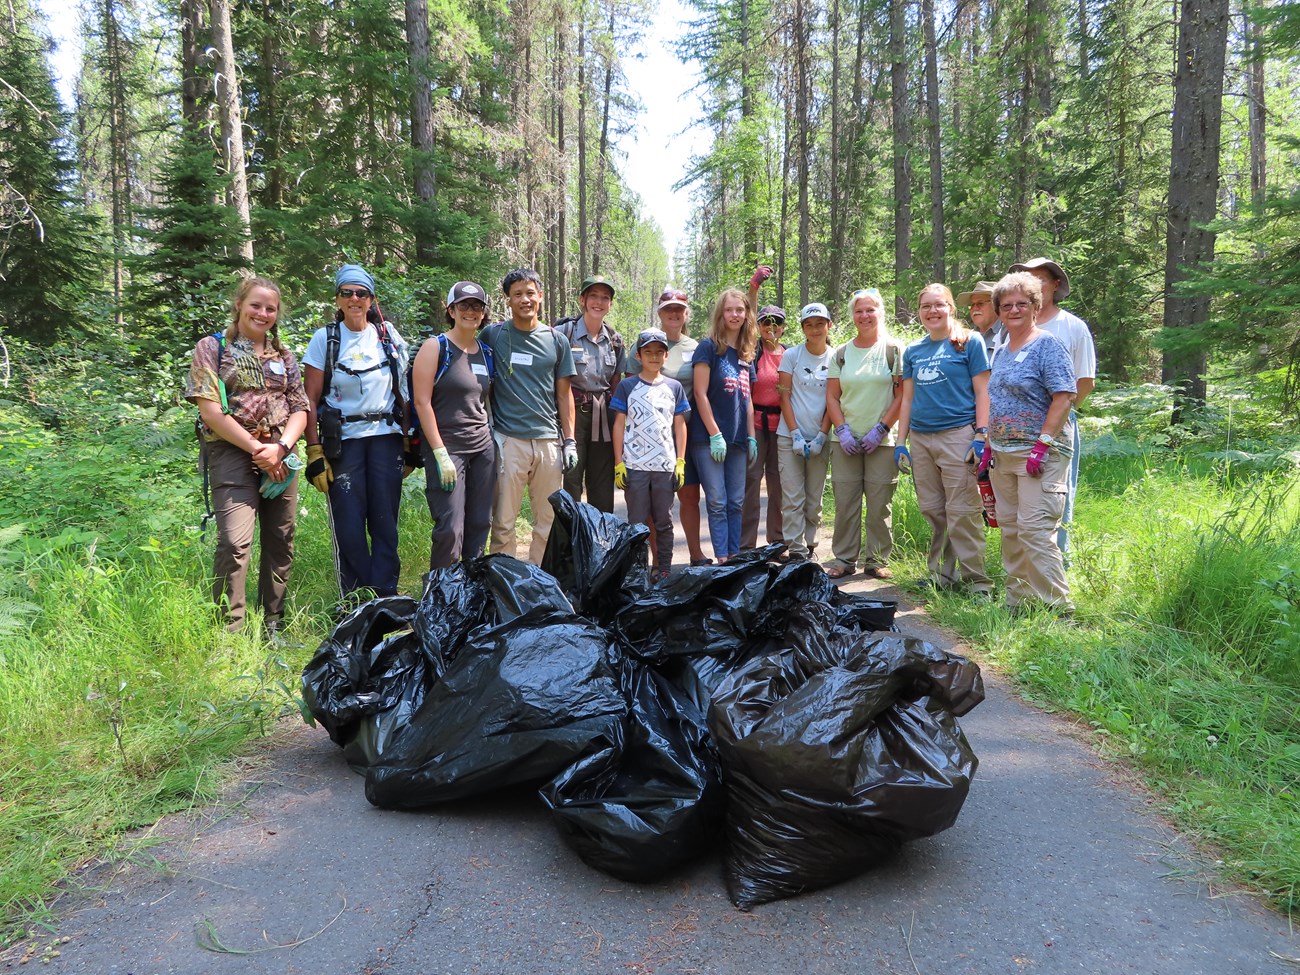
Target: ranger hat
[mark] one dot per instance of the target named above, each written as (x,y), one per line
(981,288)
(591,282)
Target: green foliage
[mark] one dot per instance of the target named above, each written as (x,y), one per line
(48,255)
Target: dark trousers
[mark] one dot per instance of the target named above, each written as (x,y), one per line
(462,517)
(766,466)
(649,496)
(595,464)
(364,498)
(239,508)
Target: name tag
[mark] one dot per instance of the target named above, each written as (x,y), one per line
(521,358)
(276,366)
(1024,354)
(478,368)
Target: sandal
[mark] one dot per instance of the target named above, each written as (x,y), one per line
(880,572)
(840,572)
(696,563)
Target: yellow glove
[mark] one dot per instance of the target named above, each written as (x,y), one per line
(679,474)
(319,471)
(620,476)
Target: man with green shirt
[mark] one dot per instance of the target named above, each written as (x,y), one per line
(532,413)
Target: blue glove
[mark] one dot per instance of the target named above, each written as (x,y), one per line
(798,444)
(903,459)
(848,443)
(273,489)
(718,447)
(753,450)
(875,437)
(816,444)
(976,452)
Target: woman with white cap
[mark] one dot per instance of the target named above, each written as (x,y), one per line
(801,435)
(354,433)
(451,380)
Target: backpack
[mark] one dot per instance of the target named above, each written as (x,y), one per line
(208,513)
(413,431)
(892,348)
(333,340)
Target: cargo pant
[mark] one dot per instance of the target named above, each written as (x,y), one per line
(1029,513)
(534,466)
(949,500)
(871,476)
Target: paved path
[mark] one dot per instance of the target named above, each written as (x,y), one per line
(1057,865)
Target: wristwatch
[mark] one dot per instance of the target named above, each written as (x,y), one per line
(1047,439)
(285,447)
(984,430)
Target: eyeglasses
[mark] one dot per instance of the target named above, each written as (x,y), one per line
(1015,305)
(352,293)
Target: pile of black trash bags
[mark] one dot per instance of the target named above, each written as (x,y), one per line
(752,700)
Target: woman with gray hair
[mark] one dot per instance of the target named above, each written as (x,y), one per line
(1030,390)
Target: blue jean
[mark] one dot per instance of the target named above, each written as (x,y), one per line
(364,497)
(724,494)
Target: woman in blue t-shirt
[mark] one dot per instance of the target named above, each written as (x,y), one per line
(945,410)
(720,434)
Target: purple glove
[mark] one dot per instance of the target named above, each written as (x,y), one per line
(761,274)
(1034,465)
(848,443)
(874,437)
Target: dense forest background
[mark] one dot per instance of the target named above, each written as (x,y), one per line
(1150,148)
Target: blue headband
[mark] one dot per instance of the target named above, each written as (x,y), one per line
(354,274)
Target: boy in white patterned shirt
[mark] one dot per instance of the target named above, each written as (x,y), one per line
(650,412)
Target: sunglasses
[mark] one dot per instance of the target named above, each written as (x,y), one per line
(771,323)
(673,296)
(352,293)
(863,292)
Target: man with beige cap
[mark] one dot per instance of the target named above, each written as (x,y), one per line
(1072,332)
(980,304)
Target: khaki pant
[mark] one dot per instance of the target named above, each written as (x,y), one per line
(535,466)
(949,500)
(1029,512)
(239,509)
(874,477)
(803,482)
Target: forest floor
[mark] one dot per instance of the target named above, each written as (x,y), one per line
(1058,863)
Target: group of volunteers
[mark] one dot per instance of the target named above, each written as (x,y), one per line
(494,411)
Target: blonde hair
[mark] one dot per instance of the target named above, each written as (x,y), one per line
(237,300)
(872,294)
(1021,281)
(748,343)
(958,334)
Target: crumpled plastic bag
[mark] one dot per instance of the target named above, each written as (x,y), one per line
(598,559)
(835,751)
(651,799)
(453,604)
(516,587)
(517,704)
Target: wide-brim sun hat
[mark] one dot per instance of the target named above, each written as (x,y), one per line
(1034,263)
(981,288)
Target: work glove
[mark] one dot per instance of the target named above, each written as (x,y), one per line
(273,489)
(620,476)
(410,458)
(848,443)
(798,444)
(753,450)
(761,274)
(1034,465)
(976,450)
(718,447)
(874,437)
(679,474)
(446,469)
(570,449)
(816,444)
(903,459)
(319,471)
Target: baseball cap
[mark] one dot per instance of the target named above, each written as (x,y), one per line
(466,291)
(649,336)
(772,311)
(591,282)
(673,298)
(1034,263)
(981,288)
(814,310)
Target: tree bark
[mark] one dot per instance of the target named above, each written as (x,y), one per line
(936,149)
(193,24)
(417,42)
(1258,144)
(582,150)
(803,99)
(1193,183)
(232,128)
(900,114)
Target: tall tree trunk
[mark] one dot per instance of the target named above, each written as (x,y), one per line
(119,141)
(1193,182)
(803,121)
(417,42)
(582,150)
(900,115)
(936,150)
(561,161)
(193,85)
(787,137)
(268,96)
(749,203)
(1258,145)
(602,155)
(836,201)
(232,128)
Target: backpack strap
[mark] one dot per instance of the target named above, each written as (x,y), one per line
(892,348)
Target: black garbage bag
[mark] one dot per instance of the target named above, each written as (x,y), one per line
(598,559)
(515,587)
(454,602)
(341,684)
(835,751)
(651,799)
(517,704)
